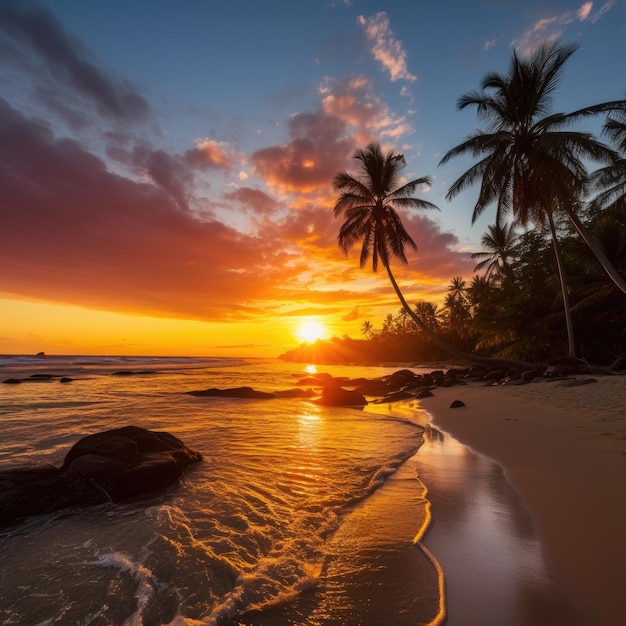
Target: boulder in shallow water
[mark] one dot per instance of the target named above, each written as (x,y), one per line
(337,396)
(108,466)
(235,392)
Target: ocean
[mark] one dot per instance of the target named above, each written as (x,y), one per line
(250,529)
(299,513)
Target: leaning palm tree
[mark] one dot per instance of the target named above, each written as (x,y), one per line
(369,202)
(529,167)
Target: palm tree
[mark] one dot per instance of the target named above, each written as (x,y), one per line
(498,242)
(458,307)
(530,166)
(388,325)
(610,181)
(429,313)
(367,329)
(368,203)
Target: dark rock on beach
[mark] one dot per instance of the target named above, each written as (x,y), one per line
(424,393)
(337,396)
(235,392)
(105,467)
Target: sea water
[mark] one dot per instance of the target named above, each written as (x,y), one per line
(297,515)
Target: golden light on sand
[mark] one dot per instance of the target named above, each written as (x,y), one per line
(311,330)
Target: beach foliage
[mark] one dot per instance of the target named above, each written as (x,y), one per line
(530,166)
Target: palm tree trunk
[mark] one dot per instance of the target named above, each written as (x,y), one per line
(564,290)
(609,268)
(450,349)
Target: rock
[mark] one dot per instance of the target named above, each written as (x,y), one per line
(427,380)
(563,366)
(337,396)
(456,404)
(235,392)
(513,380)
(424,393)
(576,382)
(373,388)
(395,397)
(476,371)
(105,467)
(401,378)
(458,373)
(529,375)
(495,375)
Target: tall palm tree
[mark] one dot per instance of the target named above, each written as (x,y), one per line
(368,203)
(529,165)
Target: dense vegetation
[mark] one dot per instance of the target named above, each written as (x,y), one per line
(552,275)
(512,310)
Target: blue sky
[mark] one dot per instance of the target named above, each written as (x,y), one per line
(233,117)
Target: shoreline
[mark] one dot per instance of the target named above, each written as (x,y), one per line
(562,446)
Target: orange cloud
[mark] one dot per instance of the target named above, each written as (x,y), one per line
(209,154)
(317,150)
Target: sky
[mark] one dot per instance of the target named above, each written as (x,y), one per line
(166,166)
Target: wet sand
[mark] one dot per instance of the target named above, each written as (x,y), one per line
(563,448)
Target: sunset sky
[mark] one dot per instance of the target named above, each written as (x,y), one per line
(166,166)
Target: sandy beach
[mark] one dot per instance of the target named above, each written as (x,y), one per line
(562,445)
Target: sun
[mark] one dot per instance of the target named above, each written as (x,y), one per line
(311,330)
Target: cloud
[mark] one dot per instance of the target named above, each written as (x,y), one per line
(97,211)
(73,232)
(317,150)
(583,13)
(605,8)
(389,52)
(352,316)
(47,50)
(253,200)
(209,154)
(552,27)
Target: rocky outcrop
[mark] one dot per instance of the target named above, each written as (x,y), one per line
(337,396)
(235,392)
(105,467)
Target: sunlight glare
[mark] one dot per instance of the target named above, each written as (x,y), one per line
(311,330)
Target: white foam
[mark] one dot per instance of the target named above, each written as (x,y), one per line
(146,584)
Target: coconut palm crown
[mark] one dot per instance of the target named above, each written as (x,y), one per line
(369,202)
(530,164)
